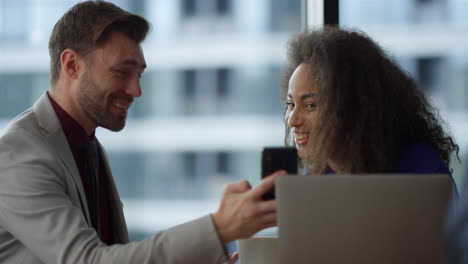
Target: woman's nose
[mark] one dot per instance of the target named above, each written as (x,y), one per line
(295,118)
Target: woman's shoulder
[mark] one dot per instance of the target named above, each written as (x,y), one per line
(418,158)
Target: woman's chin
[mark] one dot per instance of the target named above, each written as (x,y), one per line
(302,155)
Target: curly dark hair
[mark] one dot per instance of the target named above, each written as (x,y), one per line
(368,106)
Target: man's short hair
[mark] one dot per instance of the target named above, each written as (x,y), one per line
(86,25)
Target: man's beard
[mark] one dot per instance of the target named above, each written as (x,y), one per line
(93,103)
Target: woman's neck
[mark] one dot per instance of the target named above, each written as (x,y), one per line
(335,167)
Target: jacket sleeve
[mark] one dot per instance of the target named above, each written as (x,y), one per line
(36,210)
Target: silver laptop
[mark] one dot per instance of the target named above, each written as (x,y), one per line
(365,219)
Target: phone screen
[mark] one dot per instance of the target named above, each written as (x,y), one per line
(278,158)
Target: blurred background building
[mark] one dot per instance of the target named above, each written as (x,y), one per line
(211,96)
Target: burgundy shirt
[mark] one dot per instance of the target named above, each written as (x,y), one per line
(77,139)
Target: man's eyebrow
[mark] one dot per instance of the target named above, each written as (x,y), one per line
(304,96)
(134,63)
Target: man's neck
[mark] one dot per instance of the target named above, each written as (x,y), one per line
(72,107)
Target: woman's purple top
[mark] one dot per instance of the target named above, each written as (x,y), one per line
(416,158)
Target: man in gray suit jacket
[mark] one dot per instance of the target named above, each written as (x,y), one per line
(52,210)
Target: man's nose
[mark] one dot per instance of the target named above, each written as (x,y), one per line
(134,89)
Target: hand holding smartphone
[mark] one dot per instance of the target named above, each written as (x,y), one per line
(278,158)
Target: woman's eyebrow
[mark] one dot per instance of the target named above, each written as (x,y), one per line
(304,96)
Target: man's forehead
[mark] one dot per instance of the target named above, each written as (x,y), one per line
(125,53)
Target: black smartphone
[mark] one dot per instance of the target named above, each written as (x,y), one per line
(278,158)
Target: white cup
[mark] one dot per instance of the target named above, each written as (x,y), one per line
(258,250)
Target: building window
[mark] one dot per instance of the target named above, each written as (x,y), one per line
(223,80)
(222,162)
(189,77)
(189,8)
(223,7)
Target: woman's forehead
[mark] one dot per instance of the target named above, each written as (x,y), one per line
(302,81)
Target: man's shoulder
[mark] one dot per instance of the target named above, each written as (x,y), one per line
(33,122)
(21,121)
(24,133)
(23,125)
(26,151)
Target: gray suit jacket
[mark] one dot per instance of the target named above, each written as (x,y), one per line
(44,215)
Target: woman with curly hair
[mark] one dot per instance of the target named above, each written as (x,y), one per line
(351,109)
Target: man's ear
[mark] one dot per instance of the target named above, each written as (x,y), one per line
(71,63)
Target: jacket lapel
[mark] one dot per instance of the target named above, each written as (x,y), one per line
(49,122)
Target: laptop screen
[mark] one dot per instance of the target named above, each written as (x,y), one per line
(362,218)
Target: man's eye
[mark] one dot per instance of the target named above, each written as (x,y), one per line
(290,104)
(122,73)
(311,106)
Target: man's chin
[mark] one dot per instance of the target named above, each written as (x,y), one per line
(115,126)
(116,129)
